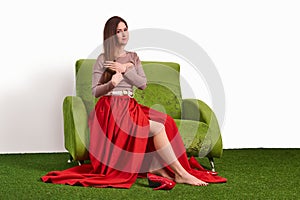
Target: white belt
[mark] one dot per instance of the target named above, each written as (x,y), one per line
(120,93)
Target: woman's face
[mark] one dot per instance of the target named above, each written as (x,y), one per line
(122,34)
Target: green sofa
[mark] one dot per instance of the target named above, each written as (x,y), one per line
(196,122)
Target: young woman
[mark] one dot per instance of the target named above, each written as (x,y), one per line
(128,139)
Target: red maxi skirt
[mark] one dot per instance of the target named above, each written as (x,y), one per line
(121,147)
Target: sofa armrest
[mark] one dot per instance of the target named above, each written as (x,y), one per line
(197,110)
(76,132)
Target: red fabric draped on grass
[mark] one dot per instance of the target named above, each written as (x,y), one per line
(122,149)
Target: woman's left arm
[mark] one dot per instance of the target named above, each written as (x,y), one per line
(135,73)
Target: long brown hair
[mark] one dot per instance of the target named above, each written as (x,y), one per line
(110,43)
(109,36)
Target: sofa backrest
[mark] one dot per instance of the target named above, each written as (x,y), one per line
(84,71)
(163,91)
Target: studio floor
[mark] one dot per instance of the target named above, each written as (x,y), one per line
(251,174)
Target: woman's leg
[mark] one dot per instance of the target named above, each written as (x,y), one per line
(165,151)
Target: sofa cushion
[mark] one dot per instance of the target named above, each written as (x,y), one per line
(161,98)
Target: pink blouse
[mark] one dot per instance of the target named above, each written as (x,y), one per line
(134,76)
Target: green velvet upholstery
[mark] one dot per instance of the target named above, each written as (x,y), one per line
(196,122)
(76,127)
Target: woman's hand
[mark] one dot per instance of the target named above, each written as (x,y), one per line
(116,78)
(118,67)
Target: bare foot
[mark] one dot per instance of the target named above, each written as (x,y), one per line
(163,173)
(189,179)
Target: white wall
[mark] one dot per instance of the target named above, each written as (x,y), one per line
(253,44)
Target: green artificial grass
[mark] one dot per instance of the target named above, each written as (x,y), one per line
(251,174)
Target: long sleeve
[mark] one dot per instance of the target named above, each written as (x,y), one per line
(136,75)
(99,89)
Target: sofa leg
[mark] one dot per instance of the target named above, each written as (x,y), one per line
(80,162)
(70,159)
(212,164)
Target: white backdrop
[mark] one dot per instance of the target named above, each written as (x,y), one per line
(253,44)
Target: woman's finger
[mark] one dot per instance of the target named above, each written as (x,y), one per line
(106,65)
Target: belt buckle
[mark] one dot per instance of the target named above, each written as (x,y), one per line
(125,92)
